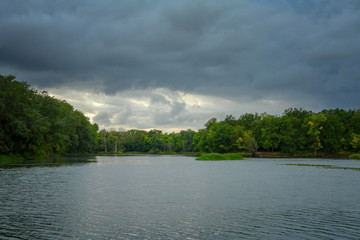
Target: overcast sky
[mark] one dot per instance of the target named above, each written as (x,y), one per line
(173,65)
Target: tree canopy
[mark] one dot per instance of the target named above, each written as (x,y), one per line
(295,131)
(35,124)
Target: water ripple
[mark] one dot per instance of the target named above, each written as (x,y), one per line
(144,201)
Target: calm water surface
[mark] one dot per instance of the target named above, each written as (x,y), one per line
(174,197)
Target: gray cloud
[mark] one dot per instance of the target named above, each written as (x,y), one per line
(102,118)
(302,52)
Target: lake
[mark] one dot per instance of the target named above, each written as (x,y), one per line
(176,197)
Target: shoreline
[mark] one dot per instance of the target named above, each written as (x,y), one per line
(302,155)
(11,159)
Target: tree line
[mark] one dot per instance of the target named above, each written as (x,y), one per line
(295,131)
(36,125)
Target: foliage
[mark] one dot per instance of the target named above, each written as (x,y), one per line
(36,125)
(355,141)
(218,156)
(355,156)
(315,127)
(248,142)
(297,131)
(269,132)
(220,137)
(11,159)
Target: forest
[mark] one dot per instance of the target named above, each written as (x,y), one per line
(295,131)
(36,125)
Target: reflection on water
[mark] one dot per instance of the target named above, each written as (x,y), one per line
(54,161)
(152,197)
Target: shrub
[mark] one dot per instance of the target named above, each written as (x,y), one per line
(11,159)
(218,156)
(355,156)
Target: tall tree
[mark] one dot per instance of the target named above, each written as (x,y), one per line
(315,127)
(221,138)
(35,124)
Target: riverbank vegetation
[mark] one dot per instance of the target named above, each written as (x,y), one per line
(34,125)
(355,156)
(295,133)
(220,156)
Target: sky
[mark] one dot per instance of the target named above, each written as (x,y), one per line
(173,65)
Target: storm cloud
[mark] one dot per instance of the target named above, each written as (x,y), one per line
(170,64)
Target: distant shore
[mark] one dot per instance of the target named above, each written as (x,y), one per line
(18,160)
(345,155)
(302,155)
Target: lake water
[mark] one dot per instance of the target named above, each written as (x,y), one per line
(175,197)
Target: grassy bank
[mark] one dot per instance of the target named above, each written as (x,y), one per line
(355,156)
(219,157)
(11,159)
(26,158)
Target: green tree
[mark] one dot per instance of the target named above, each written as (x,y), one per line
(186,137)
(114,140)
(220,138)
(199,140)
(34,124)
(269,137)
(157,144)
(171,141)
(248,142)
(315,127)
(248,120)
(287,135)
(355,141)
(332,134)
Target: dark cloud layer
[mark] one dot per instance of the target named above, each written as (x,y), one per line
(274,49)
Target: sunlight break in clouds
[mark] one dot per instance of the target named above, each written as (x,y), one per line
(141,109)
(144,109)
